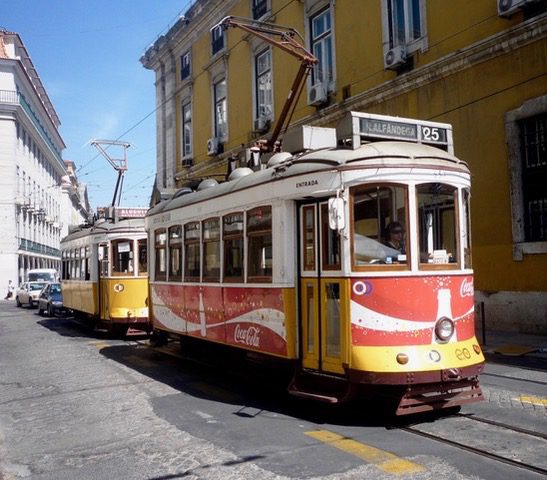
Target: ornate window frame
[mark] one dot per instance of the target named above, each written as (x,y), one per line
(530,108)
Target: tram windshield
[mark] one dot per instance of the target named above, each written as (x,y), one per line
(379,225)
(437,223)
(122,257)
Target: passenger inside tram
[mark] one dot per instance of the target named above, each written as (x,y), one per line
(378,225)
(394,236)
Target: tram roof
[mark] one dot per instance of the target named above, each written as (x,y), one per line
(388,154)
(105,226)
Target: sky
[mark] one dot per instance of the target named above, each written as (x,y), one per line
(87,55)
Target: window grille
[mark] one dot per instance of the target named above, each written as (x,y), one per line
(533,132)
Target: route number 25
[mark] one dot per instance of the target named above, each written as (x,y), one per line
(432,134)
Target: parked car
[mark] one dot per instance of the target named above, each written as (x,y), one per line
(50,300)
(28,293)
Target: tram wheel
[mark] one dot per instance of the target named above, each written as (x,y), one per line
(158,339)
(118,331)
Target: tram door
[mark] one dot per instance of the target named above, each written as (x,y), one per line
(103,293)
(324,342)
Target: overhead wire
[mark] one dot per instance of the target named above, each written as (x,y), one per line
(243,137)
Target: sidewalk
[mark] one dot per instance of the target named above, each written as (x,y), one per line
(513,343)
(514,349)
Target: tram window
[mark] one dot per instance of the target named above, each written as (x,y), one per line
(122,260)
(103,259)
(65,266)
(466,227)
(437,223)
(211,250)
(175,253)
(160,243)
(192,252)
(259,236)
(308,234)
(232,231)
(330,240)
(87,270)
(379,226)
(143,257)
(82,264)
(76,264)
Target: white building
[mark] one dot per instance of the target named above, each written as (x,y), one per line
(75,208)
(35,187)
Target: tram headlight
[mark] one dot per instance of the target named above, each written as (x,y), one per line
(444,329)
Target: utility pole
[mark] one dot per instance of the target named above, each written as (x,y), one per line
(119,164)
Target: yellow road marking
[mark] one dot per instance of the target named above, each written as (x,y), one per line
(514,350)
(388,462)
(100,344)
(533,400)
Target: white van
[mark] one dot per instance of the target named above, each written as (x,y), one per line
(42,275)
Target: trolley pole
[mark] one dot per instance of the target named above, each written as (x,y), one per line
(119,164)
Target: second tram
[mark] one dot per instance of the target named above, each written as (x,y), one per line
(293,262)
(104,272)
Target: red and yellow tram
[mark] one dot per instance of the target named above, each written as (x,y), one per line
(292,261)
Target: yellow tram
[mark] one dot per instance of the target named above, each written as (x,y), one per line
(104,272)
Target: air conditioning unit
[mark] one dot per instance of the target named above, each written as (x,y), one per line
(395,57)
(507,8)
(317,94)
(212,146)
(262,124)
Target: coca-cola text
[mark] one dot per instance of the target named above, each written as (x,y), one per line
(466,288)
(249,336)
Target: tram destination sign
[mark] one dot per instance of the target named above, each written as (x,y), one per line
(407,131)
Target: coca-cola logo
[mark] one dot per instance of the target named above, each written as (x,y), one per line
(466,288)
(249,336)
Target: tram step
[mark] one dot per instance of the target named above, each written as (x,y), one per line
(320,388)
(312,396)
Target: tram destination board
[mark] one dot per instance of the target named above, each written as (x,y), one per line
(413,132)
(369,127)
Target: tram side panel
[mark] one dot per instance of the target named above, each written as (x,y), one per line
(80,296)
(254,318)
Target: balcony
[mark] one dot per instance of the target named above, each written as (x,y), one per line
(33,247)
(11,97)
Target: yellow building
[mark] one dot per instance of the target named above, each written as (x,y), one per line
(479,65)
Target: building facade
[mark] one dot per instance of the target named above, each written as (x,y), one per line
(36,194)
(480,66)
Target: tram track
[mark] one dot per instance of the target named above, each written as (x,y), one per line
(528,437)
(516,379)
(490,451)
(525,431)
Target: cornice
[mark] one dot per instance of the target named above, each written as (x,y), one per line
(188,32)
